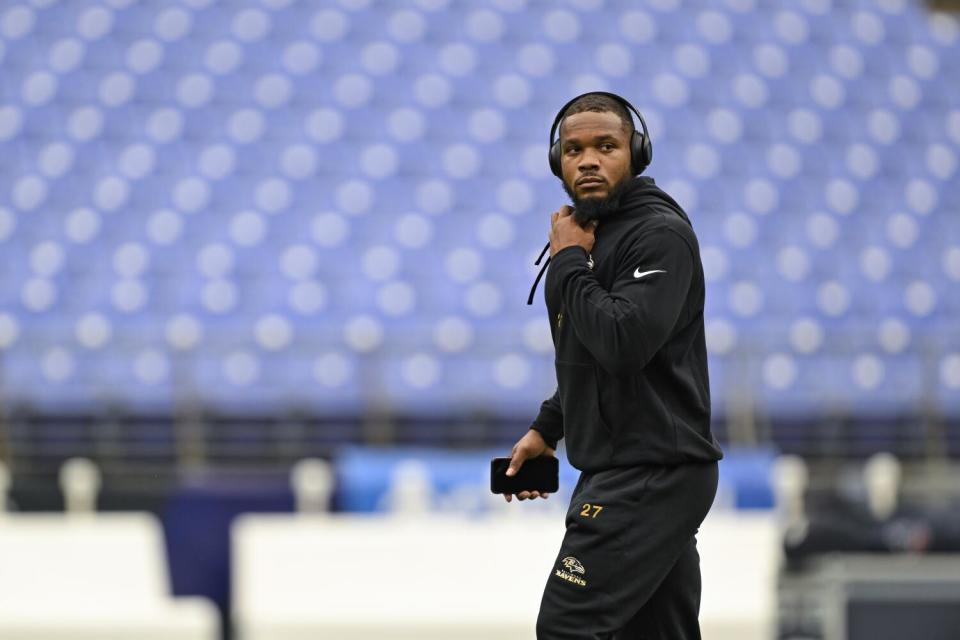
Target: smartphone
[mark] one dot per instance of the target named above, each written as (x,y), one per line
(536,474)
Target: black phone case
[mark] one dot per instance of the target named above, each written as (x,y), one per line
(537,474)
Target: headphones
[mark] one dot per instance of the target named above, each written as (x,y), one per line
(641,149)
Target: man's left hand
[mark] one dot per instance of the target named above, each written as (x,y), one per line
(566,232)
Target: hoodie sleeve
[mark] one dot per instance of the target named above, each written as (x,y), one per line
(623,328)
(549,422)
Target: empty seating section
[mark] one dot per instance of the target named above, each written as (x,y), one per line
(338,204)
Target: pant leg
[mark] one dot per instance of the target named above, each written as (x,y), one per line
(672,612)
(613,559)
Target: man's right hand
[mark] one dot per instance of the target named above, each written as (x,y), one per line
(529,446)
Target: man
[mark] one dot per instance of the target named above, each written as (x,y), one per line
(625,296)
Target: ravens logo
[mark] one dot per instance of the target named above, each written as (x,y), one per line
(573,565)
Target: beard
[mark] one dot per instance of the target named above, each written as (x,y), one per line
(597,207)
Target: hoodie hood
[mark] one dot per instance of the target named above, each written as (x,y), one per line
(643,192)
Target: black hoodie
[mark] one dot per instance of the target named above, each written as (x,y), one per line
(631,359)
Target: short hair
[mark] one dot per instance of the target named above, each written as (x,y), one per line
(599,103)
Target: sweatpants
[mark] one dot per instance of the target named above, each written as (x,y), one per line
(628,567)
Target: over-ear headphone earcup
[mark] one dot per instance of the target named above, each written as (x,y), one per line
(555,165)
(647,151)
(641,152)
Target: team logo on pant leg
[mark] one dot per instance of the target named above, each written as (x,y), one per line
(571,566)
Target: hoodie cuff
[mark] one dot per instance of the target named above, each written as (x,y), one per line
(550,440)
(568,259)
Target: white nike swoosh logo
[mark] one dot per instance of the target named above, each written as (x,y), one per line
(638,274)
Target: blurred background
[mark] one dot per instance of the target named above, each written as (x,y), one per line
(263,321)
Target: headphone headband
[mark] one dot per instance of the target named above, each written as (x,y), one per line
(641,152)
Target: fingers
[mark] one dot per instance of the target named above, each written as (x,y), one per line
(590,226)
(565,210)
(530,495)
(516,461)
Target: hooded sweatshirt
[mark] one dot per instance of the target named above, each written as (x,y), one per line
(627,327)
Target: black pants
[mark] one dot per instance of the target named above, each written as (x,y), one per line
(628,567)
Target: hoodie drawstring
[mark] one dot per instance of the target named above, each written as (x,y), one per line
(533,289)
